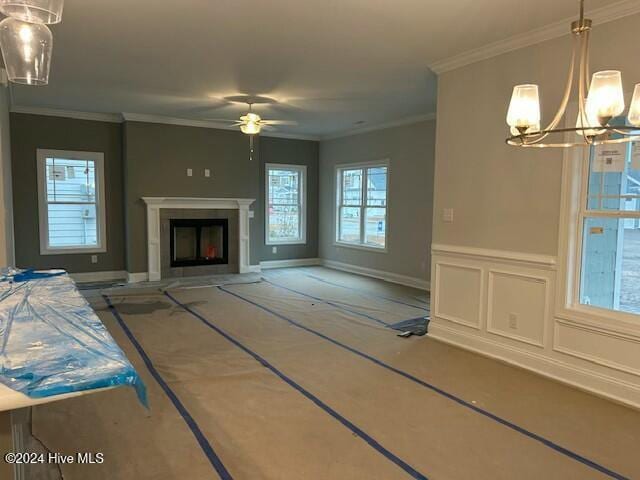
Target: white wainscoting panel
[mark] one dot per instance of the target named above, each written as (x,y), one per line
(503,305)
(518,306)
(458,295)
(610,349)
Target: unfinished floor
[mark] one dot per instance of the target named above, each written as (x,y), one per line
(295,375)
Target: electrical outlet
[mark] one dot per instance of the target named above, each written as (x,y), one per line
(189,172)
(513,321)
(94,258)
(274,249)
(447,215)
(207,172)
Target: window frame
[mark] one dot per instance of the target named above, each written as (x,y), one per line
(574,212)
(302,198)
(43,203)
(338,184)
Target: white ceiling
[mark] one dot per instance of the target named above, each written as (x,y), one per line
(327,63)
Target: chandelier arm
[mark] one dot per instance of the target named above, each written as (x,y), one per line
(567,90)
(582,87)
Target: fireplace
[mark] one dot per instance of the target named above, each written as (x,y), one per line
(196,242)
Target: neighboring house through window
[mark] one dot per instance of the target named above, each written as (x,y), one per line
(610,218)
(285,214)
(71,202)
(361,209)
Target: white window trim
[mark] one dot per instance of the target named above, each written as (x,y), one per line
(101,223)
(303,203)
(337,185)
(575,176)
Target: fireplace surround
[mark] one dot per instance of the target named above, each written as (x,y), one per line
(160,210)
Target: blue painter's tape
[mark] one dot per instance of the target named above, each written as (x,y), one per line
(355,429)
(459,401)
(206,447)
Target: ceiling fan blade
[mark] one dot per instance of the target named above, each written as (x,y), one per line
(221,120)
(279,122)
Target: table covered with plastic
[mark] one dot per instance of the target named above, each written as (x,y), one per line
(52,342)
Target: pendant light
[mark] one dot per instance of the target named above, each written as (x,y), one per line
(26,48)
(597,106)
(33,11)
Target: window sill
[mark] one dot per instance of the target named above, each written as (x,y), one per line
(360,247)
(72,251)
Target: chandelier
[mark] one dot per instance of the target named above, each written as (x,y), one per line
(598,105)
(26,41)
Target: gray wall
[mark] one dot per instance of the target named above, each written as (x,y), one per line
(410,150)
(156,159)
(296,152)
(508,198)
(6,197)
(30,132)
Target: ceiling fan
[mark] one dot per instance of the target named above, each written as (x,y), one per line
(252,124)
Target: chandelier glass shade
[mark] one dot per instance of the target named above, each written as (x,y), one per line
(33,11)
(598,104)
(26,48)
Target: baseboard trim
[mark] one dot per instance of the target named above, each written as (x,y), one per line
(86,277)
(137,277)
(379,274)
(294,262)
(596,383)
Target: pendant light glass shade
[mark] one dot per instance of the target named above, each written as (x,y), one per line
(606,96)
(524,109)
(251,125)
(26,48)
(634,110)
(33,11)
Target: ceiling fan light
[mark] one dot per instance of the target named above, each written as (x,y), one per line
(634,110)
(606,95)
(250,128)
(33,11)
(26,48)
(524,109)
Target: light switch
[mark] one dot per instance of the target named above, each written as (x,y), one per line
(447,215)
(252,214)
(94,258)
(207,172)
(189,172)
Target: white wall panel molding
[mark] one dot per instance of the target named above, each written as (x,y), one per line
(464,306)
(601,384)
(529,298)
(521,323)
(525,259)
(600,346)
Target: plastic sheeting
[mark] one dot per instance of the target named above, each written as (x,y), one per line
(51,340)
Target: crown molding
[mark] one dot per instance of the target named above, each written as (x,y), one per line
(184,122)
(54,112)
(381,126)
(558,29)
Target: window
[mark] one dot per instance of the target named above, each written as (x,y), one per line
(286,206)
(610,229)
(71,201)
(361,213)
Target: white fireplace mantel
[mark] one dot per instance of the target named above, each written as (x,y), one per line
(154,204)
